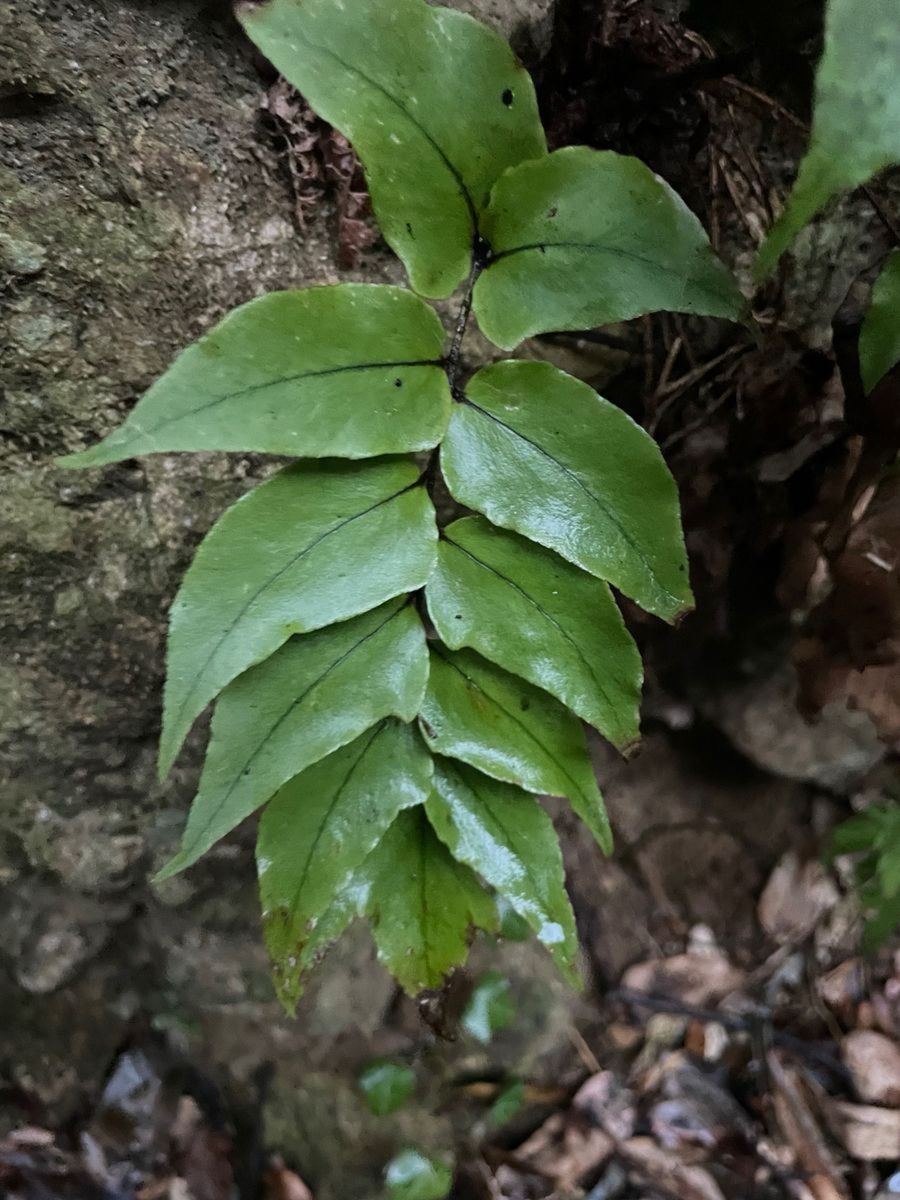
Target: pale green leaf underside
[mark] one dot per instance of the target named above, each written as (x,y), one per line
(422,903)
(856,115)
(318,543)
(541,453)
(319,829)
(535,614)
(588,237)
(351,370)
(435,104)
(879,340)
(505,835)
(479,713)
(317,693)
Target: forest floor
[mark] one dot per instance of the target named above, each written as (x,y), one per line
(691,1079)
(732,1042)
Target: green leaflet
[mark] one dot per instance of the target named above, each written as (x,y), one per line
(856,115)
(535,614)
(435,104)
(352,370)
(321,826)
(423,904)
(349,903)
(476,712)
(541,453)
(875,835)
(879,339)
(318,692)
(316,544)
(387,1086)
(505,835)
(587,237)
(410,1175)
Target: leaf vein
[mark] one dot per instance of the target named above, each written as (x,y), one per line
(281,379)
(517,721)
(432,141)
(339,791)
(284,716)
(540,608)
(251,600)
(609,513)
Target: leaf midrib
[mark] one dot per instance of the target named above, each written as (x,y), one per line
(597,247)
(326,816)
(253,388)
(611,516)
(292,562)
(515,719)
(239,775)
(509,841)
(461,184)
(536,604)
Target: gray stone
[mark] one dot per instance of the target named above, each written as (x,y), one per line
(527,24)
(762,720)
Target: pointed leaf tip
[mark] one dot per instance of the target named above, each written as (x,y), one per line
(539,452)
(304,702)
(276,564)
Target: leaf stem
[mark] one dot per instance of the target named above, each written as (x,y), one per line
(462,321)
(452,365)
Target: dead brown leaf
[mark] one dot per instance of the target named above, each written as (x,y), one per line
(796,897)
(695,978)
(282,1184)
(874,1062)
(201,1154)
(663,1169)
(843,988)
(565,1148)
(866,1132)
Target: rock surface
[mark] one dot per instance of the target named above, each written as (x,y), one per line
(140,199)
(528,24)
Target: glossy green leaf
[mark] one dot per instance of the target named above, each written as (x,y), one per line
(317,693)
(316,544)
(346,906)
(435,104)
(387,1086)
(856,115)
(505,835)
(490,1007)
(587,237)
(535,614)
(321,826)
(351,370)
(879,339)
(541,453)
(499,723)
(422,903)
(411,1175)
